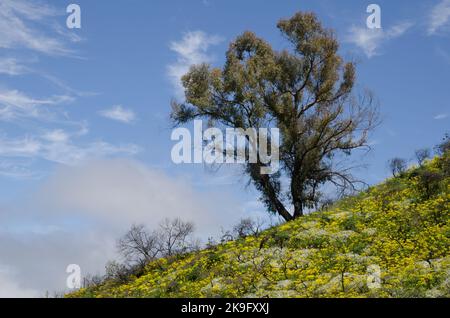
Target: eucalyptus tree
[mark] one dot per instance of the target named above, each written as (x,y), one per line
(305,90)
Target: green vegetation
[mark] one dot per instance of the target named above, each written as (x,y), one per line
(306,91)
(400,227)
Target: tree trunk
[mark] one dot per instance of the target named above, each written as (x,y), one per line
(283,212)
(296,193)
(298,210)
(279,207)
(269,192)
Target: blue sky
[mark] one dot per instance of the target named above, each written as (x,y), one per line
(84,112)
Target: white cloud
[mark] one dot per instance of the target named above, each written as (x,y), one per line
(54,145)
(16,169)
(443,54)
(70,154)
(23,147)
(19,21)
(192,49)
(441,116)
(11,289)
(119,113)
(36,27)
(20,100)
(56,136)
(15,104)
(398,30)
(29,274)
(439,16)
(77,214)
(122,192)
(370,40)
(11,66)
(57,146)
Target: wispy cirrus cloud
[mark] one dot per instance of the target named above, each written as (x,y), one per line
(11,66)
(16,169)
(370,40)
(439,17)
(57,146)
(119,113)
(23,147)
(68,153)
(60,146)
(192,49)
(18,21)
(16,105)
(441,116)
(43,128)
(443,54)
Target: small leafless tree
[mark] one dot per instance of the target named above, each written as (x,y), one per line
(422,155)
(139,246)
(397,166)
(118,272)
(175,237)
(326,203)
(91,281)
(247,227)
(226,236)
(444,146)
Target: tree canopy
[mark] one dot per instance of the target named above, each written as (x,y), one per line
(306,91)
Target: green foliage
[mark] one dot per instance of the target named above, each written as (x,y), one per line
(393,226)
(306,91)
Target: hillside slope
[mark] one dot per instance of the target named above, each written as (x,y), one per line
(399,229)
